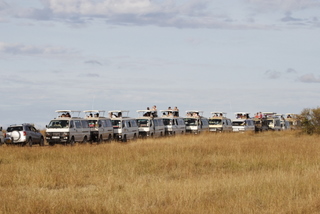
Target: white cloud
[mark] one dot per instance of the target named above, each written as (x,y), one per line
(284,5)
(21,49)
(271,74)
(309,78)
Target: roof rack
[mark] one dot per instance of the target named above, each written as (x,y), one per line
(92,113)
(71,113)
(118,113)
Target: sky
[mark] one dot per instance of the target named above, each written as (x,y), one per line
(208,55)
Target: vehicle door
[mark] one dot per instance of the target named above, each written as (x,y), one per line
(85,129)
(77,131)
(34,133)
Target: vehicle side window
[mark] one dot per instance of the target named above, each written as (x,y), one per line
(160,122)
(84,123)
(103,123)
(134,123)
(108,123)
(71,123)
(77,124)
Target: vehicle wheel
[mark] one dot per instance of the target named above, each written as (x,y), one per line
(15,135)
(135,137)
(109,138)
(41,143)
(51,144)
(29,142)
(100,139)
(1,142)
(124,138)
(85,140)
(71,142)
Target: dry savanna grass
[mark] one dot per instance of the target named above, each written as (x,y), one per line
(273,172)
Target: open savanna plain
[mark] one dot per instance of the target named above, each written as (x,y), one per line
(271,172)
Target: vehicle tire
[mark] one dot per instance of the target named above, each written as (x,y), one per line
(124,138)
(29,142)
(134,137)
(100,139)
(71,142)
(109,138)
(1,142)
(41,143)
(85,140)
(51,144)
(15,135)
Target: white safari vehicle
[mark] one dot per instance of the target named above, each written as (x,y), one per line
(218,122)
(243,122)
(67,128)
(101,128)
(173,123)
(294,120)
(195,122)
(273,121)
(150,125)
(124,127)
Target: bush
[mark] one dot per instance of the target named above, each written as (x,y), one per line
(310,121)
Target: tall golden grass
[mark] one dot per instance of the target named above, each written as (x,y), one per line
(273,172)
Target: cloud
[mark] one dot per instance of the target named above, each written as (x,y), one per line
(291,71)
(93,62)
(284,5)
(309,78)
(273,74)
(21,49)
(166,13)
(289,18)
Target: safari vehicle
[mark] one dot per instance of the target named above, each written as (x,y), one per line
(173,123)
(261,124)
(101,128)
(67,128)
(23,134)
(273,121)
(293,120)
(218,122)
(124,127)
(243,122)
(195,122)
(284,124)
(149,124)
(1,137)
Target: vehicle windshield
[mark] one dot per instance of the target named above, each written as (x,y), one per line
(142,123)
(215,122)
(15,128)
(190,122)
(58,124)
(270,122)
(116,123)
(93,123)
(167,122)
(238,123)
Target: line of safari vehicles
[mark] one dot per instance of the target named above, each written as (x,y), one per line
(68,127)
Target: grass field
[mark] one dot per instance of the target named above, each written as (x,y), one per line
(273,172)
